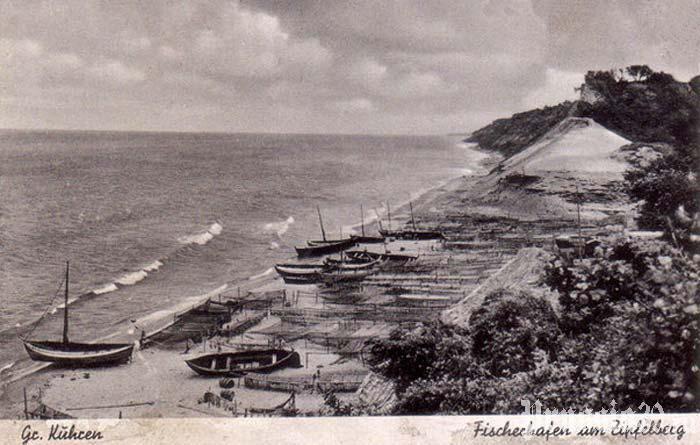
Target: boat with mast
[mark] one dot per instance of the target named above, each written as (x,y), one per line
(366,239)
(324,246)
(73,354)
(410,234)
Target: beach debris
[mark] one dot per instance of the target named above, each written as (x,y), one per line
(227,383)
(227,394)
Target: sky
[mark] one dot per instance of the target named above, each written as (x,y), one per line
(320,66)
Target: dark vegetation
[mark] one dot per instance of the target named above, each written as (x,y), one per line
(511,135)
(638,103)
(627,331)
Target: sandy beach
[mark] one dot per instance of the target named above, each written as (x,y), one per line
(497,235)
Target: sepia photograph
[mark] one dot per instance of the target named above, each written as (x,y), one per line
(240,213)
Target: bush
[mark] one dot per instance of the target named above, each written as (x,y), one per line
(509,328)
(636,305)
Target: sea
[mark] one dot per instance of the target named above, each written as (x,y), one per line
(150,220)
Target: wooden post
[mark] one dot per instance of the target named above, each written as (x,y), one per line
(26,407)
(578,217)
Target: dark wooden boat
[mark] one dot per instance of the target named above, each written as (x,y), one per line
(324,248)
(236,364)
(368,239)
(394,257)
(345,276)
(363,238)
(413,234)
(330,241)
(68,353)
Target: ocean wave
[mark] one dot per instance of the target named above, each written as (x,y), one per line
(132,278)
(111,287)
(280,228)
(261,275)
(7,366)
(153,266)
(203,237)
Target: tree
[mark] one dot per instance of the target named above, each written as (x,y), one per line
(639,72)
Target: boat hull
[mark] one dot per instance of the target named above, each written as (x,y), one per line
(323,248)
(79,354)
(369,239)
(413,234)
(236,364)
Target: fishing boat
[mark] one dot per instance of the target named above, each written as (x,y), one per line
(236,364)
(299,273)
(345,276)
(411,234)
(68,353)
(330,241)
(369,256)
(324,246)
(363,238)
(353,265)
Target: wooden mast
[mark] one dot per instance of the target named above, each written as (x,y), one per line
(379,221)
(65,307)
(413,221)
(320,221)
(362,219)
(388,214)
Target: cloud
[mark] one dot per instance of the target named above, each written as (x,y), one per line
(367,72)
(357,105)
(115,71)
(396,65)
(558,86)
(246,43)
(136,44)
(169,53)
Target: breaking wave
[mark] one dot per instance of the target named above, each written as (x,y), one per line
(280,228)
(261,275)
(203,237)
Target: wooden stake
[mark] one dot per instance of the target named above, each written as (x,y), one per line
(26,407)
(413,221)
(578,216)
(362,219)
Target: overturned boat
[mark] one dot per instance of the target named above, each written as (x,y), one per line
(236,364)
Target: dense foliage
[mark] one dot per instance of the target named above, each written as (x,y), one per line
(637,102)
(669,190)
(627,333)
(510,136)
(642,105)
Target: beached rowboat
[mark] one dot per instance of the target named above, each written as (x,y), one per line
(68,353)
(236,364)
(79,354)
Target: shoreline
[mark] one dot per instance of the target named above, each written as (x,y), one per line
(41,374)
(496,237)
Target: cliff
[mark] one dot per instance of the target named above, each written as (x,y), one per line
(650,108)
